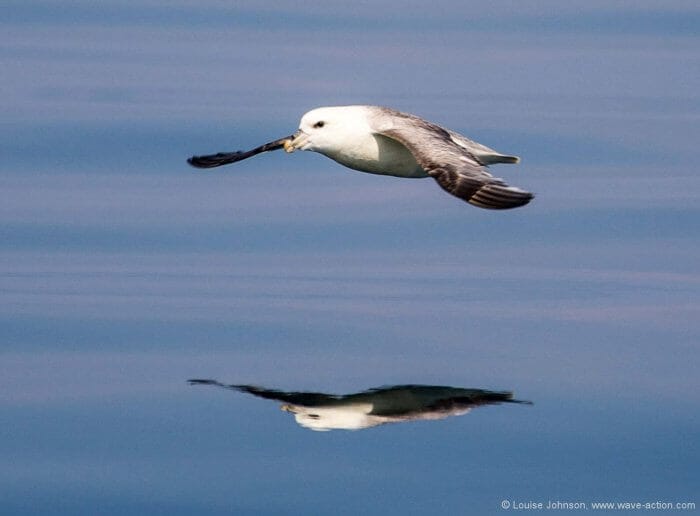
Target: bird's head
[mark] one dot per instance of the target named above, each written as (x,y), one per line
(325,129)
(340,415)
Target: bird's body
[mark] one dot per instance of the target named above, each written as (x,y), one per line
(383,141)
(362,148)
(392,404)
(378,154)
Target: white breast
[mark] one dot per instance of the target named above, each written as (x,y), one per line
(377,154)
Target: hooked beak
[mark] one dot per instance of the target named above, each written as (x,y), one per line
(297,141)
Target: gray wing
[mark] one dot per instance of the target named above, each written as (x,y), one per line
(306,399)
(456,169)
(224,158)
(415,399)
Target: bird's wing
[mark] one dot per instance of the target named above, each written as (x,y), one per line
(306,399)
(224,158)
(415,399)
(455,169)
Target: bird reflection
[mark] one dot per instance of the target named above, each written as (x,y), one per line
(373,407)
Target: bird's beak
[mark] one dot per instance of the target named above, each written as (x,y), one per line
(288,408)
(296,141)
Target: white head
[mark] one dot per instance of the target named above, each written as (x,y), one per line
(353,416)
(325,129)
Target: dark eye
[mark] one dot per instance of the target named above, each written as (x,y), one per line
(319,124)
(314,416)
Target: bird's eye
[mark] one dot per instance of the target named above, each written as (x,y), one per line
(314,416)
(319,124)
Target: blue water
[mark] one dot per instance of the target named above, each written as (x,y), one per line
(124,272)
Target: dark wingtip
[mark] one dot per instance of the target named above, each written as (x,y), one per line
(224,158)
(500,197)
(521,402)
(214,160)
(196,381)
(200,162)
(501,397)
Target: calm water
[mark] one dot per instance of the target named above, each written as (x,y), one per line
(123,272)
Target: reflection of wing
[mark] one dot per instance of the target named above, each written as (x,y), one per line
(415,399)
(308,399)
(395,404)
(452,160)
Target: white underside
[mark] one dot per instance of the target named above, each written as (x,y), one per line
(356,416)
(377,154)
(346,417)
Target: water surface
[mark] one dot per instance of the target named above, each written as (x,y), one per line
(123,272)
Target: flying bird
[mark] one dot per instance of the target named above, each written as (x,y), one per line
(373,407)
(384,141)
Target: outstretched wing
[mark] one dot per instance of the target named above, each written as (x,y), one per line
(416,399)
(306,399)
(224,158)
(453,166)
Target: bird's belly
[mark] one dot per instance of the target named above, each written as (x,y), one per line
(380,155)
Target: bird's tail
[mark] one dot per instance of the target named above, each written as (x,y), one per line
(490,159)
